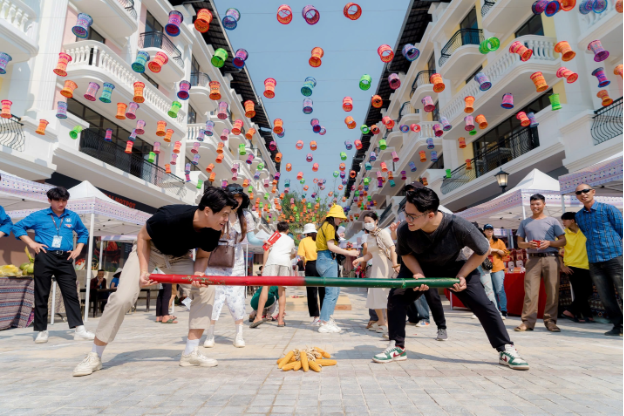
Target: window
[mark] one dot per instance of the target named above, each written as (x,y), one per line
(470,21)
(191,117)
(151,24)
(151,81)
(431,66)
(194,65)
(93,35)
(471,77)
(532,27)
(508,127)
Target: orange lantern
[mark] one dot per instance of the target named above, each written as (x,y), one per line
(342,167)
(121,111)
(462,142)
(68,89)
(468,164)
(352,174)
(129,145)
(315,167)
(469,104)
(385,53)
(618,70)
(376,101)
(350,122)
(278,157)
(524,119)
(288,167)
(6,109)
(61,66)
(347,104)
(250,112)
(567,5)
(340,187)
(424,181)
(215,90)
(219,158)
(390,176)
(539,81)
(374,129)
(481,121)
(202,23)
(42,126)
(213,177)
(564,48)
(168,135)
(249,134)
(237,126)
(210,167)
(220,146)
(388,122)
(384,167)
(315,60)
(284,14)
(438,83)
(176,147)
(278,126)
(138,92)
(604,96)
(269,87)
(160,128)
(313,145)
(299,176)
(168,168)
(423,156)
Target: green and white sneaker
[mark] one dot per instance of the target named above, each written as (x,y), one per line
(392,353)
(512,359)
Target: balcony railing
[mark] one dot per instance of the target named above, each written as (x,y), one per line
(487,6)
(12,133)
(460,38)
(129,6)
(507,149)
(422,78)
(406,108)
(161,41)
(607,122)
(93,144)
(200,79)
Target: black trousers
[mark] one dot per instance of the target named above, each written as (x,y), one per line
(473,297)
(162,300)
(583,288)
(314,305)
(435,304)
(46,266)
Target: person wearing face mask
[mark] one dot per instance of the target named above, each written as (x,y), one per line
(327,266)
(381,250)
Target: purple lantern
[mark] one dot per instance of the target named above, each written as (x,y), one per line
(184,87)
(173,25)
(109,135)
(5,58)
(61,110)
(316,125)
(131,111)
(600,54)
(602,77)
(469,120)
(140,127)
(239,58)
(92,91)
(508,101)
(209,128)
(81,30)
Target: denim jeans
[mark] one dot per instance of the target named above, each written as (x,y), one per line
(326,266)
(498,280)
(423,308)
(607,276)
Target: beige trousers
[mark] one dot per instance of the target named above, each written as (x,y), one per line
(126,295)
(536,268)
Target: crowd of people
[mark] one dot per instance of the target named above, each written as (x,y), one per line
(427,241)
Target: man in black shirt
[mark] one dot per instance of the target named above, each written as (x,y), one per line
(429,243)
(166,242)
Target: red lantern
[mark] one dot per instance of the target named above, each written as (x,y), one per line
(284,14)
(347,104)
(462,142)
(352,11)
(385,53)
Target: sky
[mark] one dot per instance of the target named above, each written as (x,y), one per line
(282,52)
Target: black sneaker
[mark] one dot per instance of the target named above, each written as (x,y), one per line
(615,332)
(504,313)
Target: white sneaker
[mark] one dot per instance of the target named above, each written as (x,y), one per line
(316,322)
(328,327)
(422,323)
(239,342)
(512,359)
(503,317)
(209,343)
(196,359)
(91,363)
(42,337)
(373,327)
(382,329)
(81,334)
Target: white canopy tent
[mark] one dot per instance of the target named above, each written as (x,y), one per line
(101,215)
(604,176)
(508,209)
(17,193)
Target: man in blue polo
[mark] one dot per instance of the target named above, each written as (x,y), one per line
(53,247)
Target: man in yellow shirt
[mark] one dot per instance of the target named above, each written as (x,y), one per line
(576,265)
(307,252)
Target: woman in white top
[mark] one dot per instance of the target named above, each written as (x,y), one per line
(277,262)
(238,232)
(380,248)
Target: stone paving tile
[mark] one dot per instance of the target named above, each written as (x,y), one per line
(577,371)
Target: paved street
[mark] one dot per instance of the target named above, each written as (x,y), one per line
(578,371)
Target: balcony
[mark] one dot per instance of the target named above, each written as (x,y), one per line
(93,61)
(121,16)
(606,26)
(154,42)
(18,30)
(12,134)
(508,74)
(421,88)
(607,123)
(499,16)
(506,150)
(461,54)
(200,92)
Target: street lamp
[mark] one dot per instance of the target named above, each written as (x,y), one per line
(502,177)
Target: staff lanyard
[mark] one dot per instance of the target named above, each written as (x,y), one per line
(58,228)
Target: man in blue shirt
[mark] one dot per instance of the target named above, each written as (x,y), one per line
(602,226)
(53,247)
(5,223)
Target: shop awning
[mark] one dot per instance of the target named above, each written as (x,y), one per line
(604,176)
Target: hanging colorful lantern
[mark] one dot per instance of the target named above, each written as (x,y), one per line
(415,128)
(231,18)
(204,18)
(404,128)
(42,126)
(365,82)
(570,76)
(395,156)
(600,54)
(249,133)
(172,28)
(489,45)
(121,111)
(278,125)
(374,129)
(388,122)
(376,101)
(307,105)
(394,82)
(156,64)
(311,15)
(92,91)
(219,58)
(308,85)
(619,6)
(284,14)
(423,156)
(564,48)
(316,126)
(61,110)
(129,146)
(272,145)
(539,6)
(438,83)
(428,104)
(175,107)
(343,156)
(195,148)
(131,111)
(269,87)
(347,104)
(68,88)
(364,129)
(382,144)
(240,56)
(469,121)
(183,90)
(299,144)
(599,73)
(61,66)
(315,60)
(429,142)
(483,81)
(618,70)
(539,81)
(468,164)
(383,166)
(161,126)
(81,29)
(385,53)
(237,127)
(434,156)
(368,166)
(75,132)
(313,145)
(138,92)
(373,156)
(348,145)
(552,8)
(523,118)
(604,96)
(168,136)
(278,157)
(519,48)
(481,121)
(437,130)
(157,148)
(352,11)
(249,109)
(209,128)
(410,52)
(358,144)
(555,102)
(507,101)
(448,174)
(469,100)
(462,143)
(446,126)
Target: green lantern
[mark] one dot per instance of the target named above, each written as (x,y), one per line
(366,181)
(75,132)
(295,209)
(260,166)
(365,82)
(266,196)
(356,193)
(200,184)
(364,129)
(175,107)
(382,144)
(151,157)
(336,173)
(241,149)
(555,102)
(219,58)
(448,174)
(302,181)
(369,198)
(250,189)
(343,156)
(318,199)
(473,132)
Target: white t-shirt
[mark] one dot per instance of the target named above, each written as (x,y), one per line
(280,252)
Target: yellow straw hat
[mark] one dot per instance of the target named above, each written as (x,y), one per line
(336,211)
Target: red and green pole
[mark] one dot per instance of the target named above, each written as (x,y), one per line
(439,282)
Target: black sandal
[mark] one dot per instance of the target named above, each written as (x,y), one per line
(257,324)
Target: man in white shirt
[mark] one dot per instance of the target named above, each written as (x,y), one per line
(277,262)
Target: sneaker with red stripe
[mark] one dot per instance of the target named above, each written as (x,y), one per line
(392,353)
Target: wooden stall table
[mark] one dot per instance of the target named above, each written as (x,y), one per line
(17,300)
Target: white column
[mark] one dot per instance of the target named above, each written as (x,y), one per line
(88,268)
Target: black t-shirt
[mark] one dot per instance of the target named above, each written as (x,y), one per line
(439,250)
(172,232)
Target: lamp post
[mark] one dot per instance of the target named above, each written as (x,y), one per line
(501,178)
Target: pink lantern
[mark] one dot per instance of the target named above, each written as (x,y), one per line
(195,148)
(470,125)
(140,127)
(508,101)
(429,106)
(92,91)
(225,133)
(394,82)
(223,110)
(437,130)
(157,148)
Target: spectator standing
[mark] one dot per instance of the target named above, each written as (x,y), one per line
(307,252)
(5,223)
(576,265)
(602,226)
(54,254)
(114,284)
(96,284)
(498,251)
(542,236)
